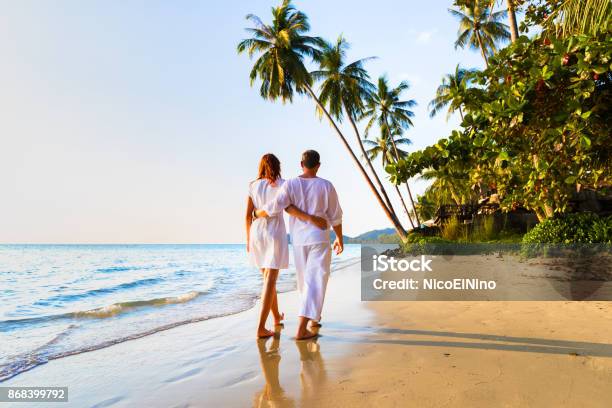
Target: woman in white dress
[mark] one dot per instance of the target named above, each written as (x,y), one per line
(267,244)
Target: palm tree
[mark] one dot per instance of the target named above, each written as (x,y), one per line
(580,17)
(479,27)
(451,92)
(448,185)
(343,90)
(393,116)
(512,20)
(281,47)
(511,9)
(382,147)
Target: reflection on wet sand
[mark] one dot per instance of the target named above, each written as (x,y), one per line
(312,373)
(272,394)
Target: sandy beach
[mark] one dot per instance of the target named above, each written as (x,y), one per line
(429,181)
(217,362)
(422,353)
(482,354)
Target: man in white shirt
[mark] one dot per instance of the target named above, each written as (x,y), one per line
(311,245)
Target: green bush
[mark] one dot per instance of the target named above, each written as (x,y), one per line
(601,230)
(580,228)
(484,230)
(423,239)
(453,230)
(423,244)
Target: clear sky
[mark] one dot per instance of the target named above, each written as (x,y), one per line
(134,121)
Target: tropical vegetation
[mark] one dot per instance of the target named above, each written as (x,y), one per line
(282,48)
(393,116)
(579,228)
(480,28)
(534,127)
(450,92)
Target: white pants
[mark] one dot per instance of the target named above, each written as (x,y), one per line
(313,265)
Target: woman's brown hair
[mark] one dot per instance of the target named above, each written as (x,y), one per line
(269,168)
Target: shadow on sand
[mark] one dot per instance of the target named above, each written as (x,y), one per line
(491,341)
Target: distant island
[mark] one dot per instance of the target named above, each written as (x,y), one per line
(379,236)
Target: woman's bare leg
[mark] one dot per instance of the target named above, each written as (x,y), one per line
(278,316)
(267,297)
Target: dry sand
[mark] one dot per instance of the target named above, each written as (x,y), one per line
(481,354)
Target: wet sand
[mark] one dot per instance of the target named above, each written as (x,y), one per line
(422,353)
(218,362)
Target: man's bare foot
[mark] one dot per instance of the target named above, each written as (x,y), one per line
(307,334)
(263,333)
(278,320)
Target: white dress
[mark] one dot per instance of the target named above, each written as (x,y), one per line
(268,246)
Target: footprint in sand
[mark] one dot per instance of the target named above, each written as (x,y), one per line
(184,375)
(245,377)
(107,403)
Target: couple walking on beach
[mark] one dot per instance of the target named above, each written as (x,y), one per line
(313,207)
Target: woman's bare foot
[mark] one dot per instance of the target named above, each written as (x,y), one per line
(278,320)
(263,333)
(307,334)
(314,324)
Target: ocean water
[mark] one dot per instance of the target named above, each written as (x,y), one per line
(60,300)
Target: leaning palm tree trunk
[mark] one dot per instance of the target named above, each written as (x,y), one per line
(416,215)
(407,188)
(401,232)
(406,210)
(365,155)
(397,157)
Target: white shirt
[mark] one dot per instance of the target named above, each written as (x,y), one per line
(315,196)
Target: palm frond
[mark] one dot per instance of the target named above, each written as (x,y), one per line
(463,38)
(580,17)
